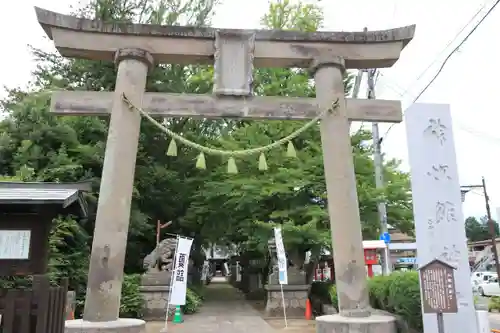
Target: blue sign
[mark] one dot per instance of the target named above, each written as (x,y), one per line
(282,277)
(409,261)
(386,237)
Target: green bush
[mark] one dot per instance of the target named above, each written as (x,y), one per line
(69,252)
(398,293)
(320,290)
(193,302)
(132,303)
(494,304)
(199,290)
(333,296)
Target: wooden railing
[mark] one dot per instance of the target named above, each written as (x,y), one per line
(41,309)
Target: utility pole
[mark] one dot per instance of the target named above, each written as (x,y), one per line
(379,173)
(491,224)
(357,83)
(355,87)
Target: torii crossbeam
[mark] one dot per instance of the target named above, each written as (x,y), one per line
(135,47)
(89,103)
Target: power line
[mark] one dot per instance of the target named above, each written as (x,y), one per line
(471,131)
(436,58)
(445,48)
(455,50)
(479,134)
(449,56)
(394,86)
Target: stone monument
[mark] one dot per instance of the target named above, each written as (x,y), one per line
(155,283)
(134,48)
(295,293)
(437,206)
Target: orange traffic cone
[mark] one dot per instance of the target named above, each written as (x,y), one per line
(71,315)
(308,309)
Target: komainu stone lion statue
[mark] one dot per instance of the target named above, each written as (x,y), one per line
(161,258)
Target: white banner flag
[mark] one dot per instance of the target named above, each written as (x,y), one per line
(282,262)
(179,285)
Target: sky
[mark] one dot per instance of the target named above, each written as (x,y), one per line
(466,83)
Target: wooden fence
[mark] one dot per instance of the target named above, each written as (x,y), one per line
(41,309)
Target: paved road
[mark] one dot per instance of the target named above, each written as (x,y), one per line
(225,310)
(482,302)
(495,321)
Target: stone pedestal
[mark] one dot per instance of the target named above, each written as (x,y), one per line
(254,282)
(232,277)
(255,287)
(373,324)
(329,309)
(155,289)
(122,325)
(295,300)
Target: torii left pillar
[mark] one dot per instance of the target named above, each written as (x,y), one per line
(102,303)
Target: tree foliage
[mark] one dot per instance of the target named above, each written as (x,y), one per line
(478,230)
(210,205)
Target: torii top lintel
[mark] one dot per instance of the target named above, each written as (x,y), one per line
(89,39)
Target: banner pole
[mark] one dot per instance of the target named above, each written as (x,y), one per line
(284,308)
(174,269)
(282,267)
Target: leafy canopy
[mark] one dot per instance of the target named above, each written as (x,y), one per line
(209,205)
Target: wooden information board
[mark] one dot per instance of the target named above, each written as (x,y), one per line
(15,244)
(437,285)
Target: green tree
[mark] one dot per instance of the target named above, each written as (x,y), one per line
(478,230)
(244,208)
(210,205)
(78,142)
(66,149)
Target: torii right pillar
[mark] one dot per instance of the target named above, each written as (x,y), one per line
(355,314)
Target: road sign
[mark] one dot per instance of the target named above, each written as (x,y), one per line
(409,261)
(386,237)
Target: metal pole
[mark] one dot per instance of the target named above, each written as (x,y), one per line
(283,304)
(172,277)
(357,84)
(379,173)
(440,322)
(491,227)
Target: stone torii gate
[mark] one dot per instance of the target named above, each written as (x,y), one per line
(136,47)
